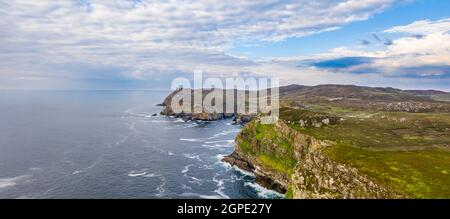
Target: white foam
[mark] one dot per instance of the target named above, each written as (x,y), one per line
(150,175)
(186,168)
(10,182)
(190,194)
(228,166)
(159,121)
(192,139)
(223,133)
(220,141)
(220,187)
(185,187)
(195,180)
(160,188)
(137,173)
(193,156)
(263,192)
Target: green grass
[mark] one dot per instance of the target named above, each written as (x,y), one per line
(388,131)
(276,152)
(285,166)
(289,193)
(408,152)
(419,174)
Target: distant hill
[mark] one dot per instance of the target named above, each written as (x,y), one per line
(363,98)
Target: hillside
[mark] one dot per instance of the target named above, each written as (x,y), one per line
(345,141)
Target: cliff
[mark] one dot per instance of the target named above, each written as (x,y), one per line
(294,163)
(344,141)
(239,118)
(311,155)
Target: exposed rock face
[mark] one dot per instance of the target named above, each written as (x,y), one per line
(204,116)
(313,176)
(318,177)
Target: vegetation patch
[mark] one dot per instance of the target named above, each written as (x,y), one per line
(419,174)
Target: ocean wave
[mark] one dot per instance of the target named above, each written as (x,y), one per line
(186,187)
(135,173)
(192,139)
(263,192)
(150,175)
(195,180)
(229,167)
(220,141)
(76,172)
(160,189)
(10,182)
(186,168)
(191,194)
(193,157)
(227,132)
(220,187)
(216,144)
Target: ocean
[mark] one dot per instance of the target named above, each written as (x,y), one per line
(107,144)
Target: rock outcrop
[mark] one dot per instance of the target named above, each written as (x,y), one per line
(239,118)
(297,164)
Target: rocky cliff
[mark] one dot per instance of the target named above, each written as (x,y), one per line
(338,141)
(287,161)
(239,118)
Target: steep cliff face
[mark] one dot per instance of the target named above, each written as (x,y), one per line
(296,164)
(240,118)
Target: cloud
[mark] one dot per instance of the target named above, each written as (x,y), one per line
(422,27)
(138,40)
(424,54)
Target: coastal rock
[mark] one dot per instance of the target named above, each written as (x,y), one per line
(293,161)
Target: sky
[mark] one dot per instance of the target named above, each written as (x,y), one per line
(140,44)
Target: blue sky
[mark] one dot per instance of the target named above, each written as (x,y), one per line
(121,44)
(351,34)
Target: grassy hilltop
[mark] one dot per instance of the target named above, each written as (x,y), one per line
(397,139)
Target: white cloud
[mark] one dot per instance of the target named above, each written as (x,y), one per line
(408,57)
(423,27)
(143,38)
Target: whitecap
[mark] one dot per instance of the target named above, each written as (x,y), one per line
(193,156)
(160,189)
(137,173)
(186,187)
(220,187)
(76,172)
(263,192)
(192,139)
(228,166)
(10,182)
(190,194)
(220,141)
(150,175)
(186,169)
(223,133)
(195,180)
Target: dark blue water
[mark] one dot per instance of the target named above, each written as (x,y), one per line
(106,144)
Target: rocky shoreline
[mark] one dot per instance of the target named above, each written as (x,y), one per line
(236,160)
(314,151)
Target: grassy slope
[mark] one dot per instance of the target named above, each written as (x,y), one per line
(405,151)
(266,136)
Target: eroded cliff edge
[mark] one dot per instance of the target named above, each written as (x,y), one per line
(287,161)
(338,141)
